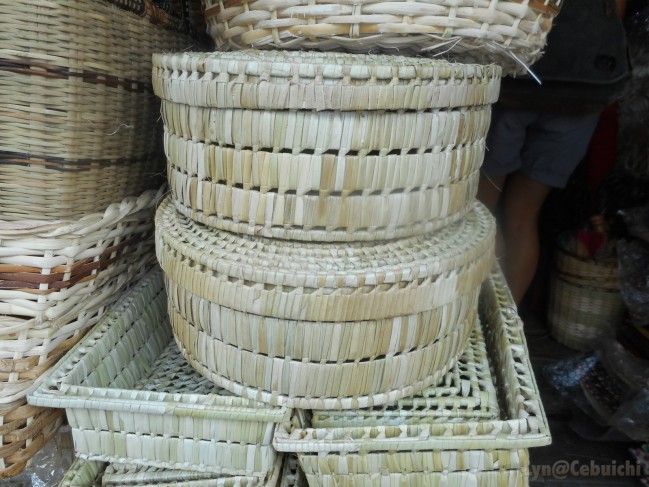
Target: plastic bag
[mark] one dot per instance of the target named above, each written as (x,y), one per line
(633,259)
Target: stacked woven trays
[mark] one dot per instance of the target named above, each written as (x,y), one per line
(321,246)
(80,152)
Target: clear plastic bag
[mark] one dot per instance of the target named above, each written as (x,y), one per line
(633,259)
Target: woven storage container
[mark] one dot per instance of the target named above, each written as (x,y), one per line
(326,326)
(88,473)
(79,121)
(314,146)
(130,397)
(484,452)
(466,392)
(585,299)
(24,430)
(507,32)
(57,278)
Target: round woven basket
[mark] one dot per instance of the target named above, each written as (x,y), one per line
(299,80)
(585,299)
(390,314)
(511,33)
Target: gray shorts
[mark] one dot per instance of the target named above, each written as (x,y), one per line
(546,148)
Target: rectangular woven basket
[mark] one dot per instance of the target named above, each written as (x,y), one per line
(88,473)
(58,278)
(485,452)
(79,119)
(130,397)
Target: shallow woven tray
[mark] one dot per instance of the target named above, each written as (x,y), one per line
(506,32)
(456,452)
(231,294)
(466,391)
(278,80)
(88,473)
(130,397)
(24,430)
(79,123)
(585,299)
(58,278)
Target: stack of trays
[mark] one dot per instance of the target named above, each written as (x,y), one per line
(131,398)
(321,245)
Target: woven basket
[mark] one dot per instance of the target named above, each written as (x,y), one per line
(24,430)
(236,299)
(88,473)
(511,33)
(58,278)
(300,145)
(130,397)
(466,392)
(79,120)
(585,299)
(457,452)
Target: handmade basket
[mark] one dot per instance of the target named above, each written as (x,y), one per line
(58,278)
(130,397)
(24,430)
(88,473)
(456,452)
(80,126)
(511,33)
(466,392)
(585,299)
(325,147)
(269,304)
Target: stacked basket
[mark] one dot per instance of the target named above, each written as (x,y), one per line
(79,153)
(321,246)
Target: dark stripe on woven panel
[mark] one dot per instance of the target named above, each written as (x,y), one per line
(71,165)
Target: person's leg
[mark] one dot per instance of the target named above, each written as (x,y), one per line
(522,203)
(490,190)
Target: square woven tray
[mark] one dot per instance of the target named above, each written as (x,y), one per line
(456,452)
(130,397)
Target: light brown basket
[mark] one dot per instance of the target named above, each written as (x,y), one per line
(511,33)
(239,299)
(79,122)
(58,278)
(585,299)
(130,397)
(24,430)
(457,453)
(285,80)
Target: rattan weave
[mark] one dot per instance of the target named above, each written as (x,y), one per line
(467,391)
(24,430)
(280,80)
(57,278)
(130,397)
(238,300)
(506,32)
(489,452)
(79,120)
(585,299)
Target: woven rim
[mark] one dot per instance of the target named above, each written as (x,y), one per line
(325,282)
(342,132)
(328,174)
(351,385)
(509,33)
(306,212)
(467,391)
(312,341)
(523,422)
(279,80)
